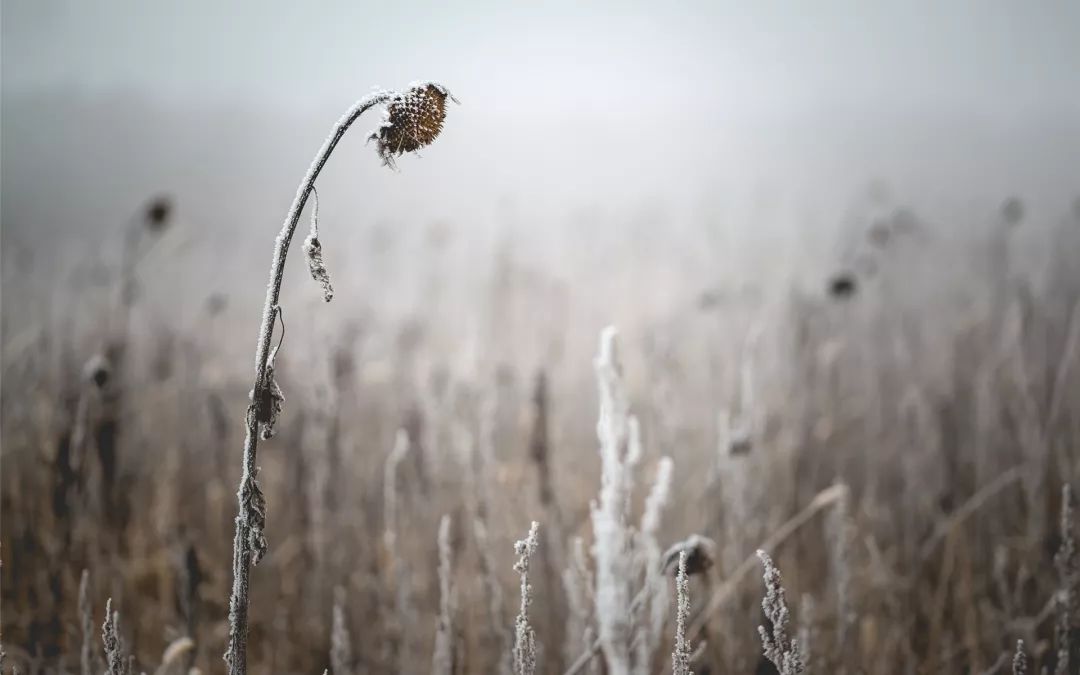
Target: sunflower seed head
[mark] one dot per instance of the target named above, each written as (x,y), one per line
(413,120)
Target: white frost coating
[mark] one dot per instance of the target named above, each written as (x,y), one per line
(614,567)
(654,593)
(524,636)
(442,659)
(680,658)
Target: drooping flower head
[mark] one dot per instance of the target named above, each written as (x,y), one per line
(413,119)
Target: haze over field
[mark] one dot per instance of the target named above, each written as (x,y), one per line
(839,241)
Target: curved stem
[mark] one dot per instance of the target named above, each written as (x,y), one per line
(236,655)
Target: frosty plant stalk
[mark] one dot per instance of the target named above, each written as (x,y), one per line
(413,119)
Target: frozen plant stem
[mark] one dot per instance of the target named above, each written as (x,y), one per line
(248,543)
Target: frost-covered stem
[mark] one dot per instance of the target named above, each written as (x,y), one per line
(680,658)
(611,546)
(650,626)
(442,660)
(115,663)
(524,636)
(236,655)
(340,643)
(778,647)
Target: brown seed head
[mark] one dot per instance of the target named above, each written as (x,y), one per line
(413,119)
(157,213)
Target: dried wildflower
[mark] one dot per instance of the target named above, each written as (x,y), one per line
(115,662)
(700,553)
(156,215)
(254,502)
(412,120)
(778,647)
(843,286)
(680,658)
(313,252)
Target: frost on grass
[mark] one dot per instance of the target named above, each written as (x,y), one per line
(614,567)
(778,647)
(442,659)
(680,658)
(115,662)
(654,592)
(524,636)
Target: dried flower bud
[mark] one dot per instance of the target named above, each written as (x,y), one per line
(97,371)
(157,214)
(842,286)
(313,253)
(255,515)
(412,120)
(700,552)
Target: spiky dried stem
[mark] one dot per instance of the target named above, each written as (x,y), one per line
(524,636)
(1019,662)
(680,658)
(778,647)
(442,659)
(115,662)
(264,397)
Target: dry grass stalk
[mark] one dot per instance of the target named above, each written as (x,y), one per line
(612,539)
(174,659)
(524,636)
(680,658)
(115,661)
(1068,571)
(778,647)
(87,655)
(340,643)
(442,659)
(652,615)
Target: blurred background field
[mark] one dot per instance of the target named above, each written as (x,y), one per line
(840,245)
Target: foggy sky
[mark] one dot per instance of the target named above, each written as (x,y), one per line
(997,57)
(699,106)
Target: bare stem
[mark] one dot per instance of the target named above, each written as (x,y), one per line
(236,655)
